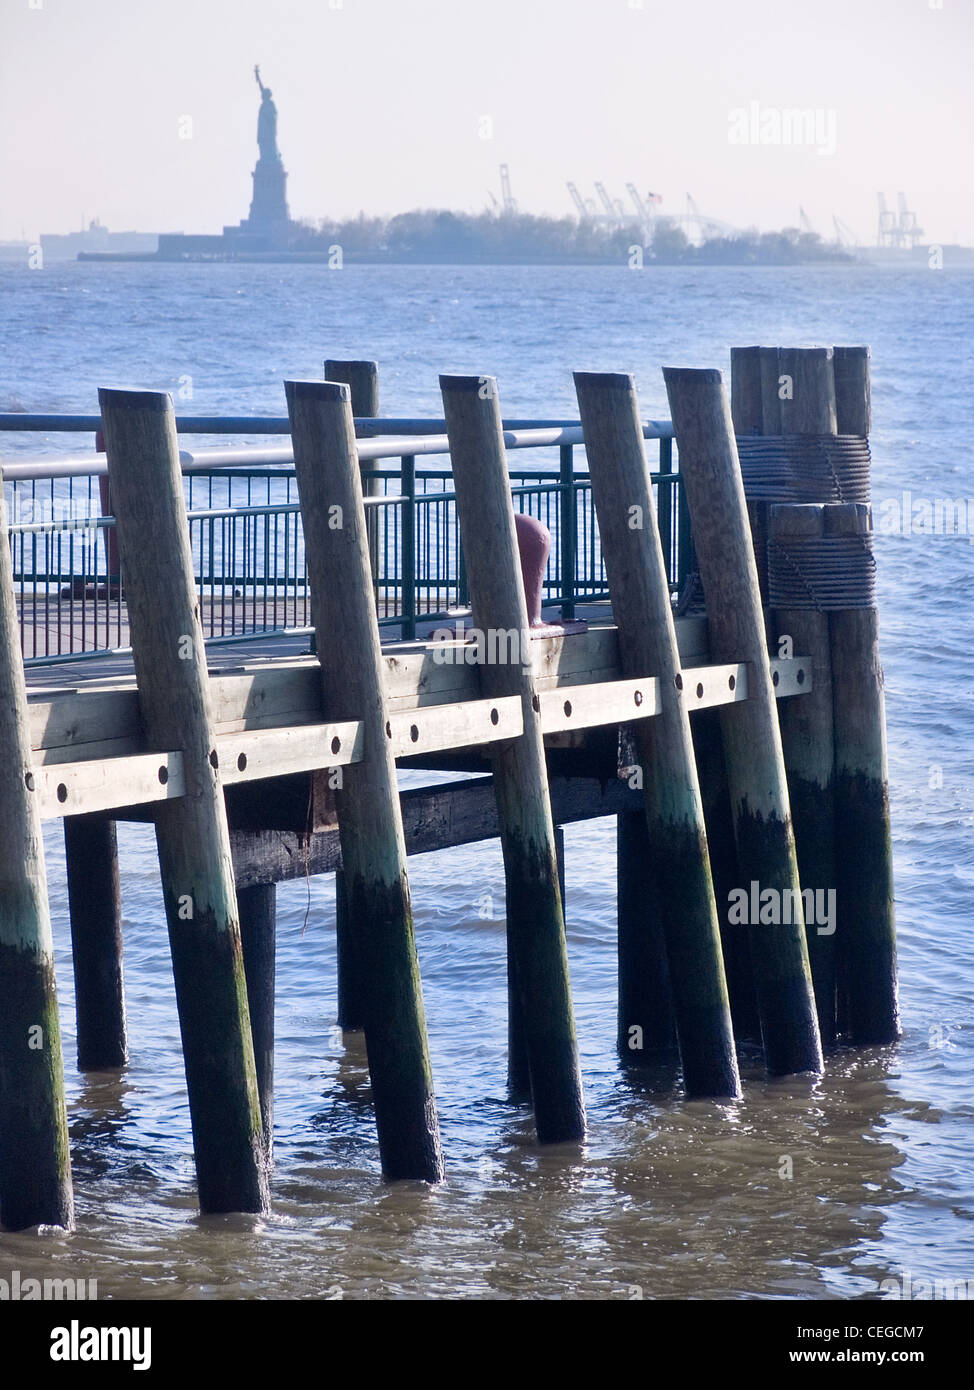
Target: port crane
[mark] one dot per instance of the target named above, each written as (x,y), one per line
(893,230)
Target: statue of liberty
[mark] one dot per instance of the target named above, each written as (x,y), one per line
(269,217)
(266,123)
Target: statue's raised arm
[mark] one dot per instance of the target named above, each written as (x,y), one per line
(266,122)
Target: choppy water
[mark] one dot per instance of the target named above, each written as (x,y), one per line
(676,1199)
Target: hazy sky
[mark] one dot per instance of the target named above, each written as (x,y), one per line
(381,107)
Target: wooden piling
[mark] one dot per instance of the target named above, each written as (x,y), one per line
(362,380)
(644,973)
(853,398)
(352,987)
(95,905)
(257,907)
(370,823)
(708,750)
(759,795)
(191,831)
(809,751)
(35,1171)
(621,488)
(756,410)
(535,921)
(864,856)
(769,359)
(808,393)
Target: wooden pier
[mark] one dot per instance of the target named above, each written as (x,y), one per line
(267,763)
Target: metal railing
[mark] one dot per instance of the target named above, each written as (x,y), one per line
(247,539)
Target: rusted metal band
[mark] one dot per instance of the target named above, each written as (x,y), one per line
(805,467)
(822,573)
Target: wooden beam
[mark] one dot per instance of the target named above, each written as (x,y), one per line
(104,784)
(440,817)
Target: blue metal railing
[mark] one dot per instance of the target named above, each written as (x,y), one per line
(247,540)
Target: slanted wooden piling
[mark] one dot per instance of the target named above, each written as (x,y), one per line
(708,750)
(370,822)
(802,629)
(95,905)
(864,855)
(191,831)
(362,379)
(684,897)
(711,475)
(35,1170)
(535,921)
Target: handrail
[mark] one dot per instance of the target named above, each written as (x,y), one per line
(279,424)
(369,450)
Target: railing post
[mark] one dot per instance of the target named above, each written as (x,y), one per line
(567,530)
(408,546)
(664,505)
(685,558)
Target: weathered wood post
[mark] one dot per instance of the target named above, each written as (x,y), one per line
(257,906)
(369,817)
(95,904)
(807,391)
(644,973)
(802,628)
(191,831)
(622,491)
(756,410)
(538,962)
(35,1169)
(362,380)
(864,855)
(853,393)
(853,410)
(755,766)
(352,985)
(708,751)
